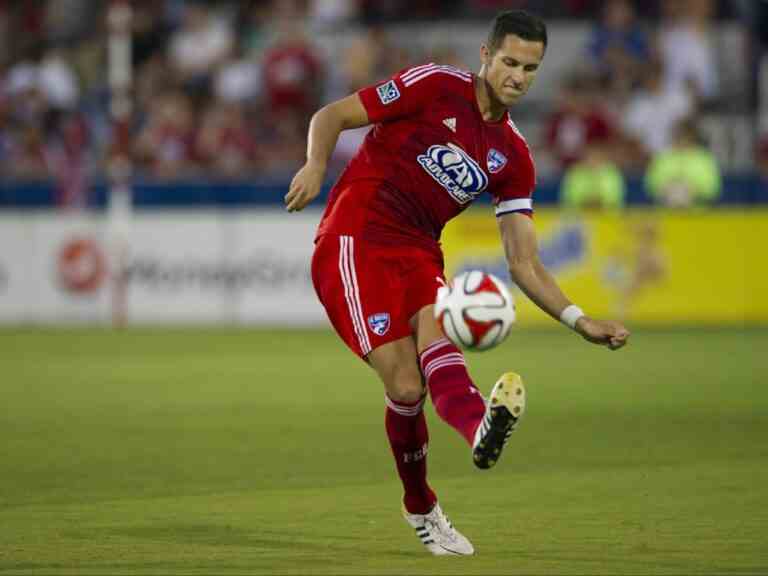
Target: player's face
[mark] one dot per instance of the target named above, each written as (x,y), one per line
(511,70)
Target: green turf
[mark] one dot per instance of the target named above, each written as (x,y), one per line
(240,451)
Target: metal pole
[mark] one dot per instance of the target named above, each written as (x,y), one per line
(120,71)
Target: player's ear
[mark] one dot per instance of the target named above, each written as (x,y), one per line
(485,55)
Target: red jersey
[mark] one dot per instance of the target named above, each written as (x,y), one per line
(429,155)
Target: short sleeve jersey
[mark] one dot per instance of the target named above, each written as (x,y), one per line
(426,159)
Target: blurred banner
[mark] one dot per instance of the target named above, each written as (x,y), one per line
(252,267)
(650,267)
(194,266)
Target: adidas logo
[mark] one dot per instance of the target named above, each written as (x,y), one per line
(451,123)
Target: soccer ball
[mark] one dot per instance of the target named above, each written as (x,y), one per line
(475,311)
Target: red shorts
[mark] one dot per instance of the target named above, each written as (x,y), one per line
(371,291)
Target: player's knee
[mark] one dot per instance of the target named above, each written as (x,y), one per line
(405,387)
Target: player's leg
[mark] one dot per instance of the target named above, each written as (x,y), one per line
(455,397)
(397,367)
(359,288)
(486,426)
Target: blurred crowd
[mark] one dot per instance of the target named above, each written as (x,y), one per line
(225,89)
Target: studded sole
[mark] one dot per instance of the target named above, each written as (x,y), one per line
(507,404)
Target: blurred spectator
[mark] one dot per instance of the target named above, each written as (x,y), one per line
(226,87)
(41,81)
(292,73)
(88,59)
(377,11)
(57,81)
(329,13)
(762,156)
(166,143)
(201,44)
(594,182)
(578,120)
(5,37)
(28,25)
(27,154)
(685,174)
(651,115)
(66,20)
(580,8)
(152,78)
(70,161)
(371,57)
(255,28)
(5,134)
(283,143)
(26,101)
(150,30)
(238,78)
(445,54)
(684,44)
(492,6)
(225,142)
(618,45)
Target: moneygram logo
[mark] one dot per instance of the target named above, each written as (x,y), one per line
(454,170)
(81,266)
(263,271)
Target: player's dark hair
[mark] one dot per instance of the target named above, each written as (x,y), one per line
(518,23)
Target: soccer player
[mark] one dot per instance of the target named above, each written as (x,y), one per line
(441,137)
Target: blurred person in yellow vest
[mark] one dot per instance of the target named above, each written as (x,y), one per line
(593,182)
(686,173)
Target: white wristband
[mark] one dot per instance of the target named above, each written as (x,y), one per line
(570,316)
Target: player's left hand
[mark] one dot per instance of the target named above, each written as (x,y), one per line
(604,332)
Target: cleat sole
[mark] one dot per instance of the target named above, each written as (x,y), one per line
(508,401)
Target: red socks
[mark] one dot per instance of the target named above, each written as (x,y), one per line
(456,400)
(408,437)
(455,397)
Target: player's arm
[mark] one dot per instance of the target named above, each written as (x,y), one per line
(518,236)
(324,129)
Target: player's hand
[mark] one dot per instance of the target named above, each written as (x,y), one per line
(605,332)
(305,186)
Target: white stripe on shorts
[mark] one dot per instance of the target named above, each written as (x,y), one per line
(351,291)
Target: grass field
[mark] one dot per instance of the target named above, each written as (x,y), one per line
(241,451)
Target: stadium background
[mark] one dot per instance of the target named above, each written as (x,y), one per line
(171,399)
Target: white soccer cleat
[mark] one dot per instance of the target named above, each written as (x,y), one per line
(438,534)
(503,410)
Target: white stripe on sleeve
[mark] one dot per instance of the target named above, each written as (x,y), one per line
(415,71)
(439,70)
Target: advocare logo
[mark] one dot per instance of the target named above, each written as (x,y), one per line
(81,266)
(454,170)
